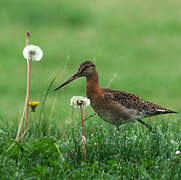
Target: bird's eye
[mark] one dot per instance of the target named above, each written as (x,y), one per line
(85,67)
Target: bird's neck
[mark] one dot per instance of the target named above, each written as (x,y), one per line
(92,86)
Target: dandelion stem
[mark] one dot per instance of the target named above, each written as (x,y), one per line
(28,97)
(20,137)
(25,106)
(83,132)
(28,88)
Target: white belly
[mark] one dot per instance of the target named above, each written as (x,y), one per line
(115,116)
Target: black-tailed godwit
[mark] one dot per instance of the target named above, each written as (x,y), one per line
(115,107)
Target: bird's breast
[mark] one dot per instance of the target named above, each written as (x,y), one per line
(111,112)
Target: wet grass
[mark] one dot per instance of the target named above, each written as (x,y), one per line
(132,153)
(137,41)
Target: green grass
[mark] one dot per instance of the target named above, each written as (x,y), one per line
(139,41)
(132,153)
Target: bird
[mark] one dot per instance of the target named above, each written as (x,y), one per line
(115,107)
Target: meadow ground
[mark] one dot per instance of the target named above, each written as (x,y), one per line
(138,41)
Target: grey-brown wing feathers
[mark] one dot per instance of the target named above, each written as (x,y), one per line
(131,101)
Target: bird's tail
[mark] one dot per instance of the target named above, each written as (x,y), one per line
(165,111)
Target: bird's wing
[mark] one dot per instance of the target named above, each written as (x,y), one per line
(131,101)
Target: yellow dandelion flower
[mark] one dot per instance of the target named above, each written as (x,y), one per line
(33,105)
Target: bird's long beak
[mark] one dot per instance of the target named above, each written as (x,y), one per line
(75,76)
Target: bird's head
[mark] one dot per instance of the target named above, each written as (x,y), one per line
(86,69)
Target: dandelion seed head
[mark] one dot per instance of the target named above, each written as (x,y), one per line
(77,101)
(33,53)
(177,152)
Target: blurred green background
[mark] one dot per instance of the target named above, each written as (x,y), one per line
(139,41)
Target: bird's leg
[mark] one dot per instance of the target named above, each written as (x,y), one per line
(148,126)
